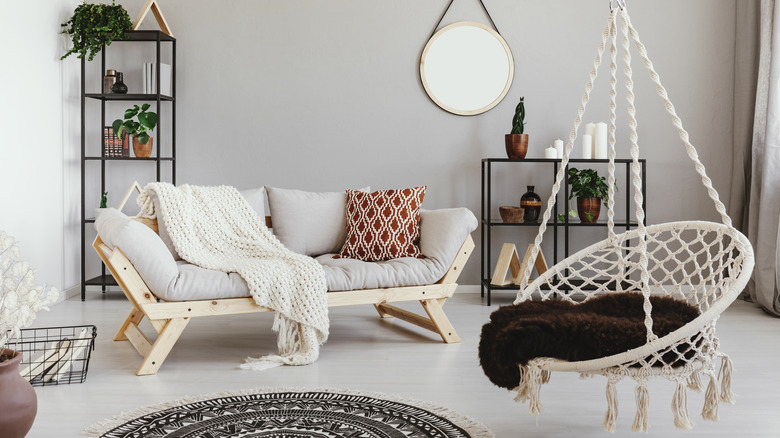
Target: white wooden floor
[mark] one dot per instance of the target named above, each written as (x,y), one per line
(369,354)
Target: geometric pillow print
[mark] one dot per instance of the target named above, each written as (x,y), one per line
(383,225)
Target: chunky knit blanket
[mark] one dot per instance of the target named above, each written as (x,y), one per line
(216,228)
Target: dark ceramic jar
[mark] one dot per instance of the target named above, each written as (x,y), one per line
(532,204)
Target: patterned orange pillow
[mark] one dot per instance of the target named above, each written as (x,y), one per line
(383,225)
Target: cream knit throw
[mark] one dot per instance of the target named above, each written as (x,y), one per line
(216,228)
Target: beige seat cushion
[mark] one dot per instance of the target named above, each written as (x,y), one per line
(441,234)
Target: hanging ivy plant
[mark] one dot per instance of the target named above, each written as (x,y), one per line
(94,24)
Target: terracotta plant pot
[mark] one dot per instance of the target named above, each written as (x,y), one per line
(18,402)
(588,205)
(516,145)
(142,150)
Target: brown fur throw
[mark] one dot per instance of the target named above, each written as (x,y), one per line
(600,327)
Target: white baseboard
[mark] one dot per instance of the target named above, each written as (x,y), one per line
(69,293)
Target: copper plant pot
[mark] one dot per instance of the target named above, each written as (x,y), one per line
(516,145)
(588,205)
(18,402)
(142,150)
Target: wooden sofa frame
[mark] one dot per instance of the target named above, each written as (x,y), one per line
(169,318)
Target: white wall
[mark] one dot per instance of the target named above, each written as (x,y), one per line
(326,95)
(32,146)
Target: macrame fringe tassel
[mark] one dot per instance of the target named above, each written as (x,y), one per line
(710,410)
(612,407)
(726,369)
(680,407)
(522,386)
(642,406)
(694,382)
(534,386)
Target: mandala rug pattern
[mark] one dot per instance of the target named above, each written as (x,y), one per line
(292,414)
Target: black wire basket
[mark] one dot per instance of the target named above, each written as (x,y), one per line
(55,355)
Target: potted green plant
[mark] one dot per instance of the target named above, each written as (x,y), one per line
(93,25)
(517,141)
(590,189)
(138,129)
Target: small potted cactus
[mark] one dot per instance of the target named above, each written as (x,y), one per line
(517,142)
(103,205)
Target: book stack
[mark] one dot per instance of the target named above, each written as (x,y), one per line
(113,146)
(150,78)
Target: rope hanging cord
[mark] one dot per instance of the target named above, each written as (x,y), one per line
(443,14)
(628,29)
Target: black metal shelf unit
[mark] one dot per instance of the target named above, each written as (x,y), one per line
(141,36)
(488,221)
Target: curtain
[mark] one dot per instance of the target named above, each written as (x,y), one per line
(754,202)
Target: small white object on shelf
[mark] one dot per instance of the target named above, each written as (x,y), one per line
(550,152)
(559,147)
(587,146)
(600,141)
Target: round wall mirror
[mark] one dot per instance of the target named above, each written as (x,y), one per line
(466,68)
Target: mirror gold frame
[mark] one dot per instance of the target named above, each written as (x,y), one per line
(466,68)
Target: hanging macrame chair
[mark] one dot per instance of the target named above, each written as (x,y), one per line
(704,264)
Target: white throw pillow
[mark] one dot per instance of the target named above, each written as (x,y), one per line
(142,246)
(256,198)
(309,223)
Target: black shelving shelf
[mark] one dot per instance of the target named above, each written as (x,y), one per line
(130,158)
(147,35)
(489,221)
(499,223)
(164,106)
(135,96)
(101,280)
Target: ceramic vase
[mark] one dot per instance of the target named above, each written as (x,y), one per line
(18,402)
(588,205)
(142,150)
(119,86)
(532,204)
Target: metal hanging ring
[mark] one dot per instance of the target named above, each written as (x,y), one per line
(613,4)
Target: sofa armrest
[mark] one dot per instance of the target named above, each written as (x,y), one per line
(442,232)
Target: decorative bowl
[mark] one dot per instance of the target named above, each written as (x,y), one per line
(511,214)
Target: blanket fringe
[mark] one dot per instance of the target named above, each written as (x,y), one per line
(289,339)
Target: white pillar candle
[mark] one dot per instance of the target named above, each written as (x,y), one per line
(559,148)
(590,129)
(587,146)
(600,142)
(550,153)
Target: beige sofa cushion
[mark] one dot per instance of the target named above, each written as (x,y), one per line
(441,234)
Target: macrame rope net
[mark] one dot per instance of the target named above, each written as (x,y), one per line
(705,264)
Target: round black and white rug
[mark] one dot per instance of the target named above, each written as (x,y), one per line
(292,414)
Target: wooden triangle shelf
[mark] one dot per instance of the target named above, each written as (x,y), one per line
(509,262)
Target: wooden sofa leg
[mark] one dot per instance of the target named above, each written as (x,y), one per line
(443,326)
(382,313)
(162,346)
(134,318)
